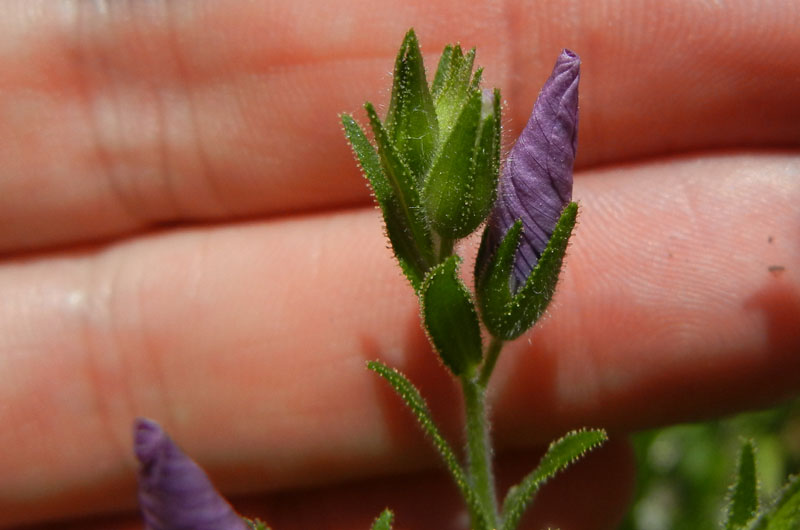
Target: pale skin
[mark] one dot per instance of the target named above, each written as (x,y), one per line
(185,236)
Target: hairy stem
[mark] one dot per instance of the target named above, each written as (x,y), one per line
(492,353)
(479,448)
(445,249)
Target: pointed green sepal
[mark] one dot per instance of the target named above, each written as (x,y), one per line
(449,192)
(475,83)
(411,121)
(395,212)
(560,454)
(384,520)
(455,89)
(443,70)
(450,318)
(743,495)
(405,189)
(508,315)
(414,401)
(485,163)
(491,281)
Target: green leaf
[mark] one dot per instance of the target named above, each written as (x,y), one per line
(449,193)
(384,520)
(450,318)
(784,513)
(411,120)
(395,215)
(507,316)
(743,496)
(561,454)
(413,399)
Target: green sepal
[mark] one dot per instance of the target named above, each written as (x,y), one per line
(559,455)
(450,318)
(449,189)
(784,512)
(492,280)
(743,494)
(443,70)
(384,520)
(405,190)
(455,89)
(507,315)
(414,401)
(485,164)
(395,212)
(411,121)
(475,83)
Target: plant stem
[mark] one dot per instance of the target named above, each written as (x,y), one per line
(492,352)
(478,448)
(445,249)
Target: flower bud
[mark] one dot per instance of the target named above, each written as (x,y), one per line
(526,237)
(536,183)
(174,492)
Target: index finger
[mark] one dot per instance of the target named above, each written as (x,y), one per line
(121,116)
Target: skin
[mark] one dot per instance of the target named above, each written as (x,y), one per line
(185,236)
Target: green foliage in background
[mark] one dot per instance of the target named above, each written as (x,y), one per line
(685,470)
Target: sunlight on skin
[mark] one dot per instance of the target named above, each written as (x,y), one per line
(668,310)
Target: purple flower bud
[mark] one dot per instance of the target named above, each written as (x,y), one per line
(536,183)
(174,492)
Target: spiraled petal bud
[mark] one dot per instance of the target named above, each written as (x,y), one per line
(174,492)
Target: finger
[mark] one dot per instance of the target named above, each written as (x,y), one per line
(119,116)
(592,494)
(249,341)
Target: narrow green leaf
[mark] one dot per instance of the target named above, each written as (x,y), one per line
(450,186)
(450,318)
(384,520)
(413,399)
(394,215)
(367,157)
(442,71)
(561,454)
(405,189)
(397,172)
(743,495)
(411,121)
(784,512)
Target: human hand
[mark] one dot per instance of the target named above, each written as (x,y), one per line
(186,237)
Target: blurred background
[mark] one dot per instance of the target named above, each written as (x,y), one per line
(685,470)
